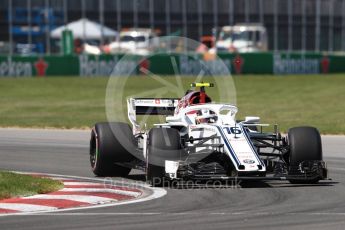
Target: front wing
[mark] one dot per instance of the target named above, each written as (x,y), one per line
(305,171)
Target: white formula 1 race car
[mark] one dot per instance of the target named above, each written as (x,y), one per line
(202,140)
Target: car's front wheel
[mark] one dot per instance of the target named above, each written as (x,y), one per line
(164,144)
(305,145)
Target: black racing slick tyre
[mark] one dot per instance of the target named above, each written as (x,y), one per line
(107,149)
(305,144)
(164,144)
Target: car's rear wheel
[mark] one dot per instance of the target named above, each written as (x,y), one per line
(164,144)
(305,145)
(109,149)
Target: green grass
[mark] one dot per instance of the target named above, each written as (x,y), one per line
(75,102)
(16,185)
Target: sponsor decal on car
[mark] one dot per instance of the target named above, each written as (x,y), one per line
(248,161)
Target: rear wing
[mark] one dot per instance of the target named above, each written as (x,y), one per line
(150,106)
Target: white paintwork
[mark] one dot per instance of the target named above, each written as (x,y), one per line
(80,198)
(62,179)
(116,191)
(244,152)
(26,207)
(171,168)
(251,119)
(136,41)
(240,38)
(84,28)
(238,147)
(80,183)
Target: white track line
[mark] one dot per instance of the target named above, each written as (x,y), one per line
(61,178)
(82,183)
(337,169)
(91,190)
(188,214)
(26,207)
(79,198)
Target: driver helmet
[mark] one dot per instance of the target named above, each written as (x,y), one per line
(205,116)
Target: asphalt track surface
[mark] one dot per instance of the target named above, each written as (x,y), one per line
(271,205)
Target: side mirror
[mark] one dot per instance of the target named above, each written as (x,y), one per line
(252,119)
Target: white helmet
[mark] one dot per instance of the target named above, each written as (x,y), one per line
(206,116)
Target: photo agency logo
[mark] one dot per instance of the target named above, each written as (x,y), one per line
(165,72)
(236,183)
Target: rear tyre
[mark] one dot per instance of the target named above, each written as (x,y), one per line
(164,144)
(106,149)
(305,144)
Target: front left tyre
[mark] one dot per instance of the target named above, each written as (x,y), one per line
(111,144)
(305,145)
(164,144)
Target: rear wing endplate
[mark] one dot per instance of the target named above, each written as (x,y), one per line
(150,106)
